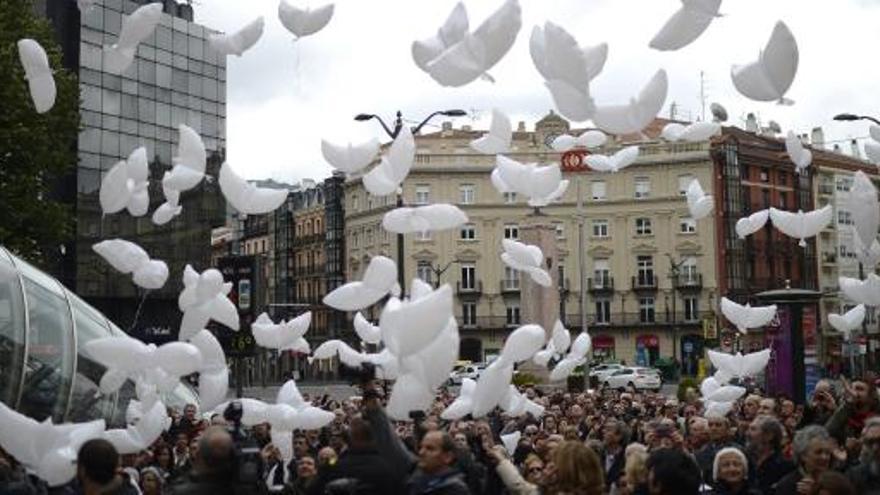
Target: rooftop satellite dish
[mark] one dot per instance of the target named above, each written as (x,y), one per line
(719,113)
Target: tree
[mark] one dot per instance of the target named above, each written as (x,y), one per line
(36,150)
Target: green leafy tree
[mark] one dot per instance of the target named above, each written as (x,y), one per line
(36,150)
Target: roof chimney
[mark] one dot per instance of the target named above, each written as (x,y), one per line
(521,127)
(752,123)
(817,138)
(854,149)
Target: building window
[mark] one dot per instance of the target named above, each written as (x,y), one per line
(423,194)
(468,232)
(783,200)
(369,240)
(646,309)
(425,272)
(643,187)
(509,198)
(511,231)
(560,230)
(513,314)
(844,217)
(511,279)
(600,228)
(643,226)
(354,239)
(468,276)
(354,202)
(843,184)
(691,312)
(684,181)
(687,225)
(688,270)
(603,311)
(469,314)
(599,190)
(467,194)
(645,273)
(601,273)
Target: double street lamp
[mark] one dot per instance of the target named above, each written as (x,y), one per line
(392,133)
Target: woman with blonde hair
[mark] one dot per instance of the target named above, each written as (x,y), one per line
(576,470)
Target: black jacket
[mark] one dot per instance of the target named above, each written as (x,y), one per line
(448,482)
(195,484)
(366,465)
(770,472)
(788,484)
(864,480)
(722,489)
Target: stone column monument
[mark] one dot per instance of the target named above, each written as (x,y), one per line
(538,304)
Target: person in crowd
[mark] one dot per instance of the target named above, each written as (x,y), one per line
(765,449)
(306,475)
(97,470)
(672,472)
(151,482)
(575,470)
(615,438)
(834,483)
(435,473)
(865,476)
(822,404)
(812,454)
(212,470)
(860,403)
(361,466)
(180,454)
(635,478)
(730,473)
(15,480)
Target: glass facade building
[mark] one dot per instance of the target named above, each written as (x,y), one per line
(44,372)
(175,79)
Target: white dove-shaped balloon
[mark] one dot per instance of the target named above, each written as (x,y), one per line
(38,73)
(576,356)
(849,321)
(214,372)
(463,404)
(738,365)
(282,335)
(451,32)
(717,409)
(204,298)
(428,218)
(128,257)
(713,391)
(558,344)
(614,163)
(246,197)
(526,258)
(133,359)
(385,178)
(865,292)
(872,146)
(304,22)
(862,203)
(350,158)
(139,436)
(46,449)
(588,139)
(746,226)
(699,203)
(136,28)
(698,131)
(366,331)
(769,77)
(538,184)
(432,309)
(745,317)
(189,164)
(497,140)
(638,113)
(511,442)
(125,185)
(475,53)
(800,156)
(522,344)
(171,207)
(379,278)
(686,25)
(239,41)
(801,225)
(491,387)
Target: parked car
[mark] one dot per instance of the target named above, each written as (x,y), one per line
(601,371)
(471,371)
(634,377)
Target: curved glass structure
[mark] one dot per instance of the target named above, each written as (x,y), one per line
(43,370)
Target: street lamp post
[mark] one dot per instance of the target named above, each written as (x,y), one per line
(392,133)
(674,270)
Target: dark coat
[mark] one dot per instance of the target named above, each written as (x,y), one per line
(195,484)
(722,489)
(788,484)
(366,465)
(448,482)
(864,480)
(770,472)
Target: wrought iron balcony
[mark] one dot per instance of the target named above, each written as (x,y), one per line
(644,282)
(601,285)
(475,288)
(689,281)
(509,285)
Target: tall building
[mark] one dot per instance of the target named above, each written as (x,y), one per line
(175,79)
(650,266)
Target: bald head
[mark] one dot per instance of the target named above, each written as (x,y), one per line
(216,450)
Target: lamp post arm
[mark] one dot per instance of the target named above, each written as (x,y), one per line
(388,131)
(872,119)
(416,129)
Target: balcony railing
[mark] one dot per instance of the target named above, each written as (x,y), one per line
(475,288)
(623,321)
(692,281)
(509,286)
(644,282)
(601,285)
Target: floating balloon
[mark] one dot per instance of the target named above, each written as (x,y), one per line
(475,53)
(497,140)
(379,278)
(136,28)
(308,417)
(749,225)
(408,394)
(128,257)
(589,139)
(526,258)
(189,164)
(304,22)
(576,357)
(350,158)
(491,387)
(865,292)
(272,336)
(240,41)
(393,168)
(699,203)
(539,184)
(139,436)
(686,25)
(614,163)
(740,366)
(726,393)
(558,57)
(746,317)
(170,208)
(431,311)
(511,441)
(135,359)
(428,218)
(872,151)
(801,225)
(800,156)
(560,337)
(862,203)
(463,404)
(698,131)
(848,321)
(636,115)
(717,409)
(366,331)
(573,103)
(204,298)
(38,73)
(523,343)
(769,77)
(246,197)
(451,32)
(125,185)
(869,257)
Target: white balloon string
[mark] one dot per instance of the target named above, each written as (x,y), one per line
(137,313)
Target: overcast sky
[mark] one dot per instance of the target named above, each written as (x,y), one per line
(283,97)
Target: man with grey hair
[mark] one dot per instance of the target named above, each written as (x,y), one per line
(765,452)
(811,447)
(865,476)
(615,437)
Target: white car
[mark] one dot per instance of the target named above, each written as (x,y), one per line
(602,371)
(633,377)
(471,371)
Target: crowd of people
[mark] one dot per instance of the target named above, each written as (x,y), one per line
(593,442)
